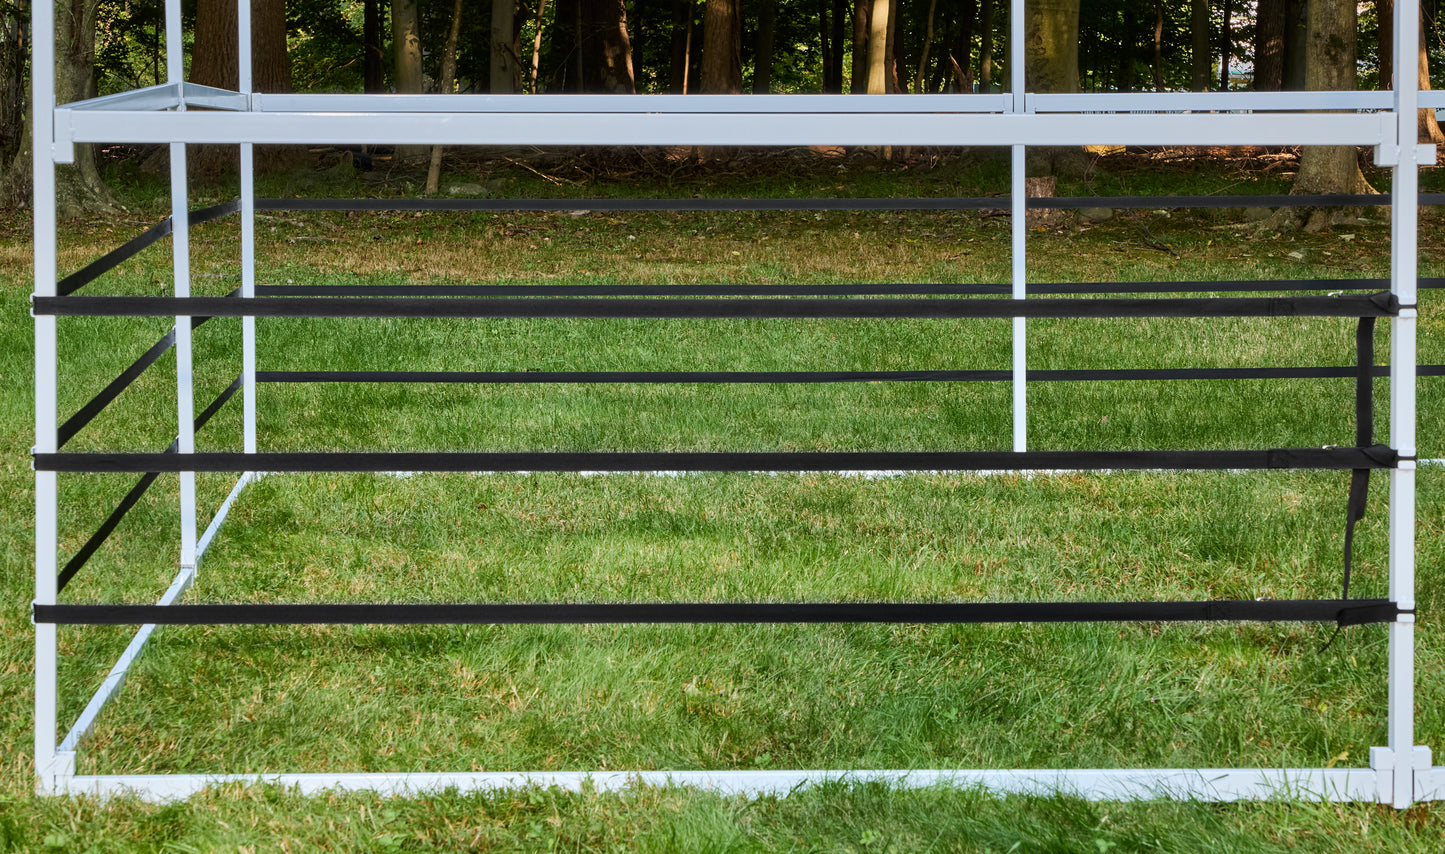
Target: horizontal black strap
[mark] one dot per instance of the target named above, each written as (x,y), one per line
(804,377)
(107,527)
(944,203)
(110,260)
(874,289)
(1344,305)
(1378,456)
(1340,611)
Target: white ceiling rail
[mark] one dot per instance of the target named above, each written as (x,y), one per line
(632,104)
(166,96)
(785,129)
(1208,101)
(1432,99)
(210,97)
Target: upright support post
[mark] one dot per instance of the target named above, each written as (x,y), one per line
(47,506)
(1017,57)
(1399,763)
(181,270)
(248,243)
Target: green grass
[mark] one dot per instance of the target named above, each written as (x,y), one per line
(597,697)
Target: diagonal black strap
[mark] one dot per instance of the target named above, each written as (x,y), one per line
(110,260)
(1340,612)
(1364,438)
(103,533)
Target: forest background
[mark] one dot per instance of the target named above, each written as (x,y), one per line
(708,46)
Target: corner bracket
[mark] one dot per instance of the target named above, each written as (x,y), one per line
(1401,781)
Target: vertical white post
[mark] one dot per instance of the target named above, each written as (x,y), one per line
(46,494)
(1403,271)
(1017,57)
(248,242)
(181,260)
(1020,277)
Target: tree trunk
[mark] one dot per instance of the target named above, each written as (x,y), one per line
(1428,129)
(448,80)
(606,50)
(1269,46)
(270,64)
(1052,33)
(985,46)
(373,60)
(1296,50)
(862,17)
(1158,45)
(763,62)
(839,19)
(406,57)
(1327,168)
(722,39)
(681,46)
(537,47)
(13,48)
(895,86)
(964,55)
(878,48)
(1385,44)
(921,78)
(215,59)
(503,73)
(1199,45)
(79,188)
(825,32)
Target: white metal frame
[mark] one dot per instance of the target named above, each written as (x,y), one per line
(1400,772)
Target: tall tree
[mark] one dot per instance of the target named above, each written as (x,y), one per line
(878,47)
(862,23)
(1199,45)
(13,47)
(215,57)
(1269,45)
(505,75)
(681,47)
(604,48)
(1226,44)
(406,59)
(373,58)
(78,187)
(763,62)
(1428,128)
(1331,67)
(1052,37)
(722,48)
(448,80)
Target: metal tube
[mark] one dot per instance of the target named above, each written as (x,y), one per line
(1019,228)
(248,291)
(185,406)
(46,366)
(1403,270)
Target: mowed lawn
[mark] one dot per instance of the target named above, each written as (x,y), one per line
(270,699)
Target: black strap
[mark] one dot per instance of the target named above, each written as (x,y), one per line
(1364,437)
(75,423)
(103,533)
(946,203)
(115,257)
(872,289)
(805,377)
(1344,305)
(1379,456)
(1354,612)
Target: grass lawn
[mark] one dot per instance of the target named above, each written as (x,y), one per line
(262,699)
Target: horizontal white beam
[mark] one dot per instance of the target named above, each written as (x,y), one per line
(723,129)
(1208,101)
(1209,784)
(631,104)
